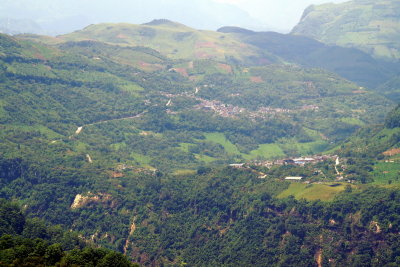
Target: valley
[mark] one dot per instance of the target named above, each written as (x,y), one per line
(163,145)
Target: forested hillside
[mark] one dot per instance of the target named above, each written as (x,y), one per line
(180,147)
(30,242)
(139,108)
(371,25)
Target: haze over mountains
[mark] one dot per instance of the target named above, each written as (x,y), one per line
(52,17)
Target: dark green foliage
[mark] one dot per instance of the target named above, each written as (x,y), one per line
(33,243)
(12,220)
(393,118)
(17,251)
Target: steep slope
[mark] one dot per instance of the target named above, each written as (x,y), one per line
(175,114)
(349,63)
(372,141)
(371,25)
(391,88)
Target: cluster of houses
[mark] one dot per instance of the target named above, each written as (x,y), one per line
(120,168)
(224,110)
(301,161)
(228,110)
(295,161)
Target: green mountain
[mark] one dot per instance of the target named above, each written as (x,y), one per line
(128,144)
(370,25)
(139,107)
(172,39)
(349,63)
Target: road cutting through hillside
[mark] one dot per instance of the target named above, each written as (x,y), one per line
(80,128)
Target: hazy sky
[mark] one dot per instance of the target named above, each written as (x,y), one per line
(60,16)
(280,14)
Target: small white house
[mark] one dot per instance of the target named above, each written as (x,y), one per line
(294,178)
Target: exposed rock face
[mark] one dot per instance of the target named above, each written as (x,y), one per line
(132,230)
(91,198)
(374,226)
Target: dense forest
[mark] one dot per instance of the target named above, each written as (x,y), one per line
(31,242)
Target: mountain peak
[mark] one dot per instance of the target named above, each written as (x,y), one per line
(233,29)
(166,22)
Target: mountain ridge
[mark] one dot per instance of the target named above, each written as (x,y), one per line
(371,26)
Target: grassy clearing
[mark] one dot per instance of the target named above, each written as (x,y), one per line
(205,158)
(141,159)
(220,138)
(308,148)
(313,133)
(333,150)
(323,192)
(132,88)
(385,172)
(185,146)
(311,147)
(353,121)
(267,151)
(40,128)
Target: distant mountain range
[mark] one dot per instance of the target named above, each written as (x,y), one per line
(52,17)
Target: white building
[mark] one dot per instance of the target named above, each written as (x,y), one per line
(294,178)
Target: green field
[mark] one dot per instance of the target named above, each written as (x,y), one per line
(323,192)
(384,172)
(308,148)
(205,158)
(220,138)
(353,121)
(267,151)
(40,128)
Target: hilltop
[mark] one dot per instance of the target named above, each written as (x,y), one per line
(172,39)
(370,25)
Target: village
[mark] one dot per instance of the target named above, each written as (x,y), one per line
(301,161)
(231,111)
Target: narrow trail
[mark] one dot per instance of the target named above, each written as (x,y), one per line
(80,128)
(119,119)
(337,163)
